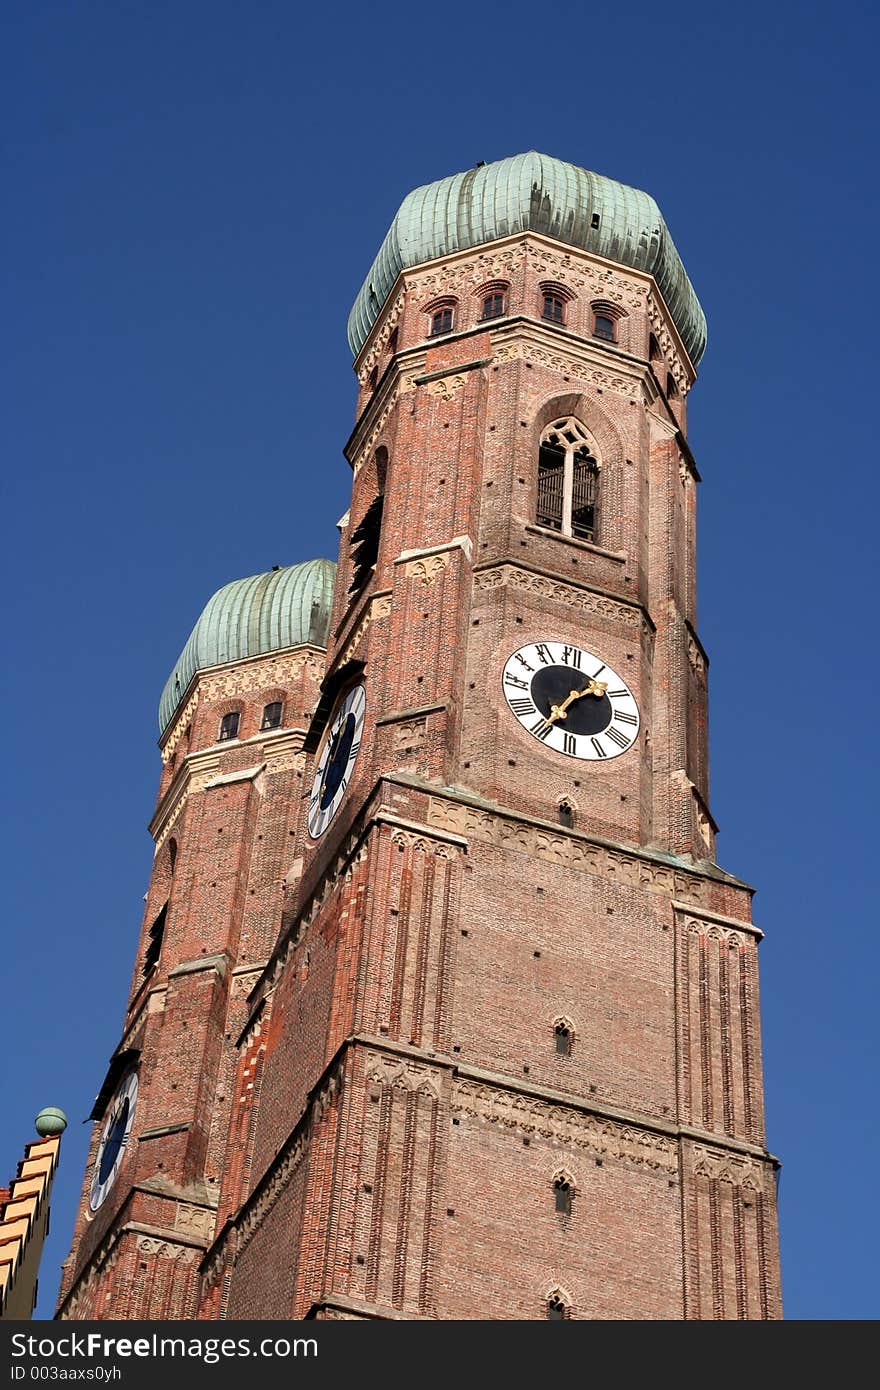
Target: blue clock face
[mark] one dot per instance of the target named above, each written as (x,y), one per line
(114,1139)
(336,762)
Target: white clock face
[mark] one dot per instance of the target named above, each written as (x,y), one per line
(114,1139)
(341,746)
(571,700)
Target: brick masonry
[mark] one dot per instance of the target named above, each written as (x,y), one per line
(351,1101)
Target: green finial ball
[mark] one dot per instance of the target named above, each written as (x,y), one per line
(50,1121)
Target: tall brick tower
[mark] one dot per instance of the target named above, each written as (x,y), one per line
(443,1007)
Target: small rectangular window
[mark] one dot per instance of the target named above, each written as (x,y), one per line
(229,726)
(493,306)
(271,716)
(554,310)
(604,328)
(441,322)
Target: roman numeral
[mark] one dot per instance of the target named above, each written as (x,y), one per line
(623,718)
(353,751)
(523,707)
(515,680)
(522,661)
(615,694)
(568,743)
(600,751)
(598,673)
(572,657)
(541,729)
(544,653)
(617,737)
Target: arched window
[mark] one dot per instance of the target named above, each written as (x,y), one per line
(564,1036)
(554,298)
(553,308)
(154,941)
(606,317)
(272,715)
(568,481)
(366,535)
(229,726)
(442,316)
(563,1190)
(493,299)
(558,1306)
(566,814)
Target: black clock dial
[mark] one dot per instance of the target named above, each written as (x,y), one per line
(114,1141)
(340,748)
(336,760)
(551,685)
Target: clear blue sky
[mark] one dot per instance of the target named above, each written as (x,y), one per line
(193,193)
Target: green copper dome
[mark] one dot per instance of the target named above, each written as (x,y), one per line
(284,608)
(531,193)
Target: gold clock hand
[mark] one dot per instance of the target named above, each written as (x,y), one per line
(592,688)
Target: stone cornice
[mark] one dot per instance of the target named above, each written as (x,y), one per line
(631,606)
(629,853)
(200,771)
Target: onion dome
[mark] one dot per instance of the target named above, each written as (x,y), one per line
(287,607)
(531,193)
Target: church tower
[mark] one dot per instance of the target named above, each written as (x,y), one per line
(444,1008)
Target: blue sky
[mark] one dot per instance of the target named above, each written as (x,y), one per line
(193,193)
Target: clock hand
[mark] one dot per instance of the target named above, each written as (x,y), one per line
(591,688)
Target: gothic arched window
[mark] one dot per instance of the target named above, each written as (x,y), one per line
(563,1190)
(563,1035)
(568,481)
(558,1306)
(365,537)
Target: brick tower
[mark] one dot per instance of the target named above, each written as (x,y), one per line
(443,1007)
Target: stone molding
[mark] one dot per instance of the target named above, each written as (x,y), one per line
(380,607)
(570,850)
(381,338)
(571,364)
(575,596)
(565,1125)
(667,344)
(737,1169)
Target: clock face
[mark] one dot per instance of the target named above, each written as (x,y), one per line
(571,700)
(111,1150)
(337,760)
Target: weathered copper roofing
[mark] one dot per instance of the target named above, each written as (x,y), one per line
(286,607)
(531,192)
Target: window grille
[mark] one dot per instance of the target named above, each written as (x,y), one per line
(568,481)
